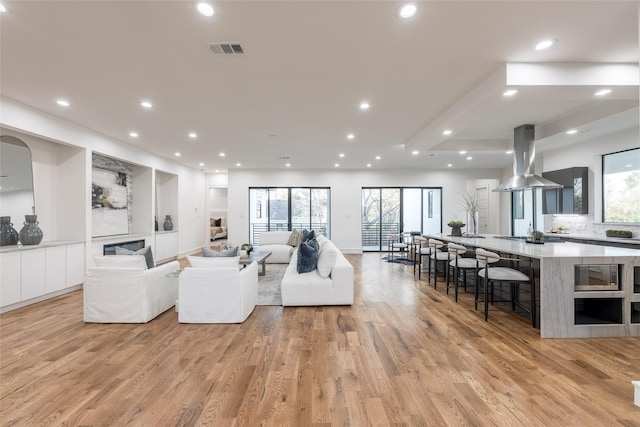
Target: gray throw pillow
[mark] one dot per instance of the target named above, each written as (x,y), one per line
(148,255)
(206,252)
(307,257)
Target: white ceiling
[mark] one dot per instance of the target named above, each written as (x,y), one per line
(308,64)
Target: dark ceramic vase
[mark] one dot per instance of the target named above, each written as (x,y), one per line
(8,234)
(168,223)
(31,234)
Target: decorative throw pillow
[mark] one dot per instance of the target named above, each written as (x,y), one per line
(307,258)
(148,255)
(294,238)
(209,253)
(217,222)
(215,262)
(121,261)
(307,235)
(212,222)
(326,260)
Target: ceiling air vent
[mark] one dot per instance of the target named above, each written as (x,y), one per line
(226,48)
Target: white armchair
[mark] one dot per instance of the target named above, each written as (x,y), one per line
(217,294)
(122,290)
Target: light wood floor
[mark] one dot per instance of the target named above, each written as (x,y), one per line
(403,354)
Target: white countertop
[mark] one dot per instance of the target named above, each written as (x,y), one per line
(547,250)
(50,243)
(597,237)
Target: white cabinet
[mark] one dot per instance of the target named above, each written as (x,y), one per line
(166,246)
(10,274)
(33,273)
(56,268)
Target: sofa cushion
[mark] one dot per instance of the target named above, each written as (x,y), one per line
(307,235)
(327,259)
(146,252)
(121,261)
(214,262)
(210,253)
(307,257)
(295,238)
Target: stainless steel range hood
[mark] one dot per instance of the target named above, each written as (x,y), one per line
(524,154)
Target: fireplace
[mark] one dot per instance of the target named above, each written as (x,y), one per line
(133,245)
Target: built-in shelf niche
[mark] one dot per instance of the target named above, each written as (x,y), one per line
(139,191)
(59,190)
(166,198)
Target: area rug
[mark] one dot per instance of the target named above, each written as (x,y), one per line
(269,285)
(399,260)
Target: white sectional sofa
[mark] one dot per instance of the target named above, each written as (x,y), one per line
(312,289)
(276,243)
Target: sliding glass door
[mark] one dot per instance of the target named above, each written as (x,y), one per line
(387,211)
(288,208)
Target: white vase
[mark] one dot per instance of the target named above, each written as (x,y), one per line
(472,223)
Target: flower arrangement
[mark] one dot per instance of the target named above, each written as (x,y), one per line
(247,247)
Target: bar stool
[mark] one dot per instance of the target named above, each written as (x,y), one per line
(393,244)
(437,254)
(515,278)
(460,263)
(420,249)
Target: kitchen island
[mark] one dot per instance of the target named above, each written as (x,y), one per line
(568,306)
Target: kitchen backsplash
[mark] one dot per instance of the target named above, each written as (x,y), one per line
(584,224)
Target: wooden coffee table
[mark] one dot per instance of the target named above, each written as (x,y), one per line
(259,257)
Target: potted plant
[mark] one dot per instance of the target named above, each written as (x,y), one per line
(456,227)
(618,233)
(537,236)
(470,203)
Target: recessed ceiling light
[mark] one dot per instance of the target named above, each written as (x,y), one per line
(469,158)
(341,155)
(408,10)
(222,154)
(193,135)
(545,44)
(146,104)
(368,165)
(628,165)
(201,164)
(449,165)
(63,102)
(447,132)
(510,92)
(133,134)
(205,9)
(509,152)
(364,105)
(463,152)
(337,165)
(415,152)
(572,131)
(288,165)
(238,164)
(2,8)
(177,154)
(350,136)
(603,92)
(378,157)
(217,171)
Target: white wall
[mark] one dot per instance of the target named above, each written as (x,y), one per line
(48,129)
(346,193)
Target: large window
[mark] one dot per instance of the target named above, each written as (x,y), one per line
(288,208)
(388,211)
(621,186)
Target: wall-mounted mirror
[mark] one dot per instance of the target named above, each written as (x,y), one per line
(16,179)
